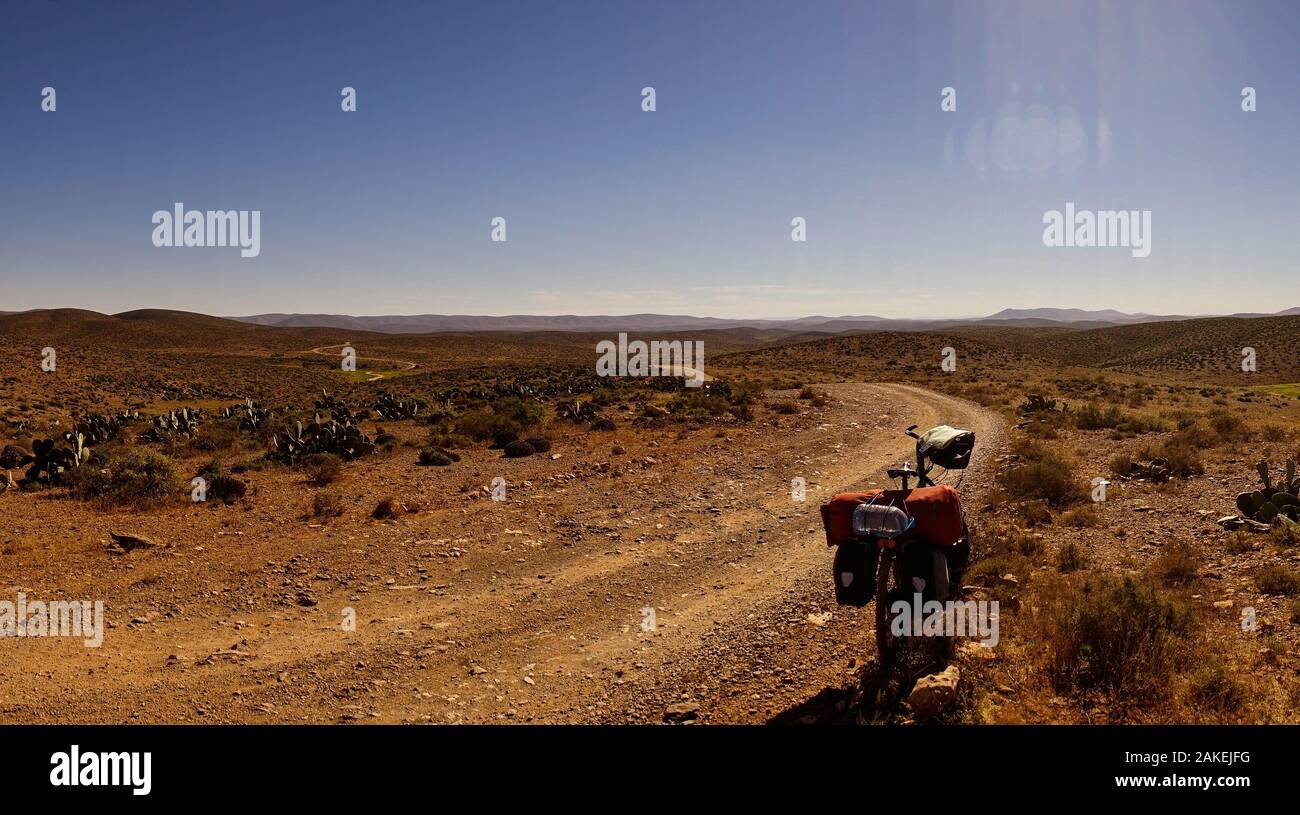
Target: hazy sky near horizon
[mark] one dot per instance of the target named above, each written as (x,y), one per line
(766,111)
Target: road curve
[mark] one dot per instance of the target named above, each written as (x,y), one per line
(534,609)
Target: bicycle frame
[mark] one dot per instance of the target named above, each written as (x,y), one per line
(923,466)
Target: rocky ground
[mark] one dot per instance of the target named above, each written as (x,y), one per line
(474,610)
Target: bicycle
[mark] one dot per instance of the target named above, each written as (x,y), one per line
(894,531)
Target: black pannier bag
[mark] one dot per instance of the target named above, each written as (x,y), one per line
(855,572)
(922,569)
(949,447)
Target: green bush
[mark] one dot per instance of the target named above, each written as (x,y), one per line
(1092,417)
(1115,634)
(512,414)
(141,475)
(698,404)
(1040,473)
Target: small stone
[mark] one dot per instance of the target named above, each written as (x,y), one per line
(682,712)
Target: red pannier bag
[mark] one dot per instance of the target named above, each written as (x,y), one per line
(937,511)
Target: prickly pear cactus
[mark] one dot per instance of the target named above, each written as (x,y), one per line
(1272,503)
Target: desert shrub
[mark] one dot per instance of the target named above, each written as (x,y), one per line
(214,436)
(1080,516)
(1003,549)
(1018,542)
(1239,542)
(433,457)
(1214,688)
(212,469)
(1034,513)
(785,408)
(10,456)
(1184,458)
(807,392)
(1278,579)
(742,396)
(478,424)
(698,404)
(1177,564)
(227,489)
(1115,634)
(1198,433)
(322,468)
(1122,464)
(1040,473)
(520,413)
(1229,427)
(251,465)
(1070,558)
(1284,534)
(1140,423)
(449,441)
(140,475)
(1040,427)
(508,415)
(326,505)
(518,449)
(990,568)
(388,507)
(1092,417)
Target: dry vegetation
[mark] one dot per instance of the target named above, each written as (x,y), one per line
(1127,609)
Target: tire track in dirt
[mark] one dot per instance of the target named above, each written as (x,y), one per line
(577,635)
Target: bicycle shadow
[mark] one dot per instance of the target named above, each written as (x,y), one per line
(880,693)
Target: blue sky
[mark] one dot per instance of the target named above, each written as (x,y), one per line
(766,111)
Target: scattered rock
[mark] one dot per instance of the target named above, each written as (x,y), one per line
(125,543)
(933,693)
(821,619)
(682,712)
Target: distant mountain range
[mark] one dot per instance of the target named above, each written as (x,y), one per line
(433,323)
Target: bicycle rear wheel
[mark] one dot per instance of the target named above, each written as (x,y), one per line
(886,642)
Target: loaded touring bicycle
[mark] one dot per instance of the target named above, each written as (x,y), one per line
(894,544)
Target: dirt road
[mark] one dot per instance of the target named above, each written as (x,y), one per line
(536,608)
(404,365)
